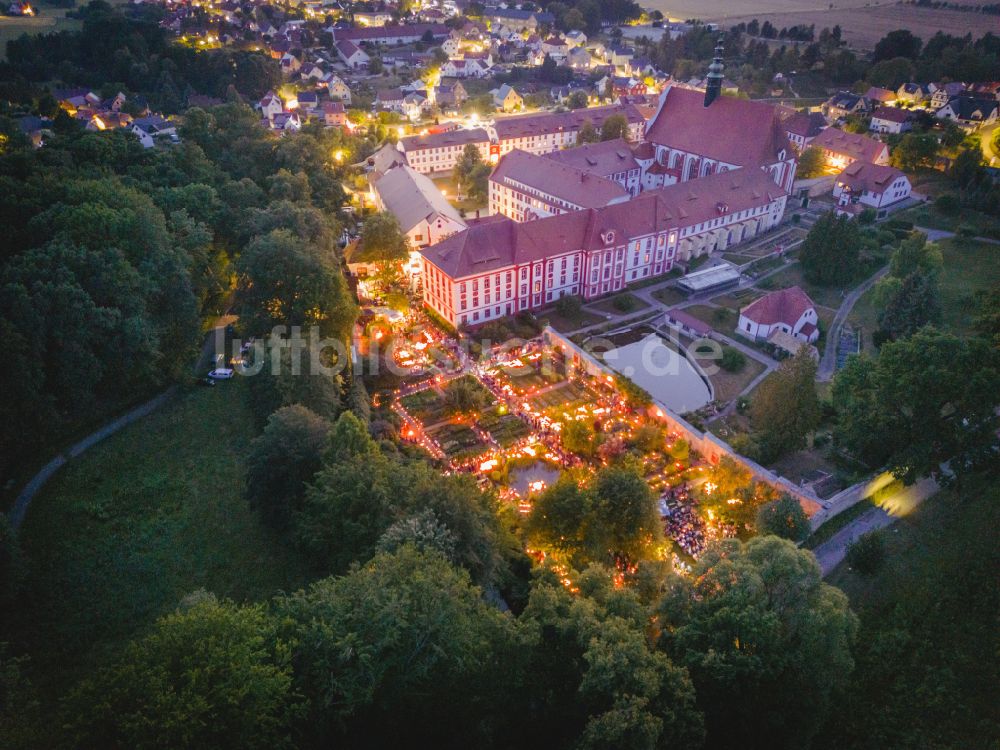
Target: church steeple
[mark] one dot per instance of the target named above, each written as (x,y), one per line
(713,87)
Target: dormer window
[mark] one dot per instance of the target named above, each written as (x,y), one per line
(608,238)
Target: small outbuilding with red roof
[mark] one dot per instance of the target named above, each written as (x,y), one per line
(788,310)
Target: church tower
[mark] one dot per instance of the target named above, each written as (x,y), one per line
(713,86)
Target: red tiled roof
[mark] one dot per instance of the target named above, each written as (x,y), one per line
(875,178)
(880,95)
(805,125)
(783,306)
(519,126)
(892,114)
(549,176)
(438,140)
(855,145)
(731,130)
(605,158)
(489,246)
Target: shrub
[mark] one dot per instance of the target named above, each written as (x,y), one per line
(867,553)
(733,360)
(867,216)
(948,203)
(624,302)
(785,518)
(569,306)
(965,230)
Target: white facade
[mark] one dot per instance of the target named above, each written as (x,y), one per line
(432,159)
(761,331)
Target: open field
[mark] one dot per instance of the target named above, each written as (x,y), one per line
(120,534)
(969,267)
(863,23)
(12,27)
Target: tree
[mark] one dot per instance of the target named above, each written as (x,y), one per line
(915,150)
(593,679)
(383,241)
(897,44)
(404,649)
(296,375)
(811,163)
(925,401)
(625,518)
(211,675)
(472,173)
(830,251)
(614,127)
(577,100)
(282,460)
(579,437)
(785,408)
(908,305)
(465,395)
(766,642)
(558,520)
(424,531)
(733,360)
(866,554)
(283,280)
(587,134)
(784,517)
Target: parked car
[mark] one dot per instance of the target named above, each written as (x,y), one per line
(221,373)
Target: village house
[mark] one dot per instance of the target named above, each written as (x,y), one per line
(891,120)
(352,55)
(840,148)
(506,99)
(863,185)
(802,127)
(151,130)
(944,92)
(843,104)
(789,311)
(334,114)
(338,90)
(970,111)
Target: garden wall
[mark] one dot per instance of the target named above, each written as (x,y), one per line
(708,445)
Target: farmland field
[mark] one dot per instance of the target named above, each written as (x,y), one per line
(863,23)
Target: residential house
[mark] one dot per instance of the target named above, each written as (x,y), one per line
(891,120)
(944,92)
(802,127)
(372,17)
(787,310)
(843,104)
(334,114)
(337,89)
(864,185)
(286,122)
(151,130)
(270,105)
(912,93)
(841,148)
(352,55)
(969,111)
(506,99)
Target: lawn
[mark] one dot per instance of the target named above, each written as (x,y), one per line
(792,276)
(120,534)
(728,385)
(620,304)
(565,323)
(722,319)
(969,267)
(982,225)
(864,319)
(927,670)
(669,296)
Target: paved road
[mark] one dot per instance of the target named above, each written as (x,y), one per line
(828,363)
(831,552)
